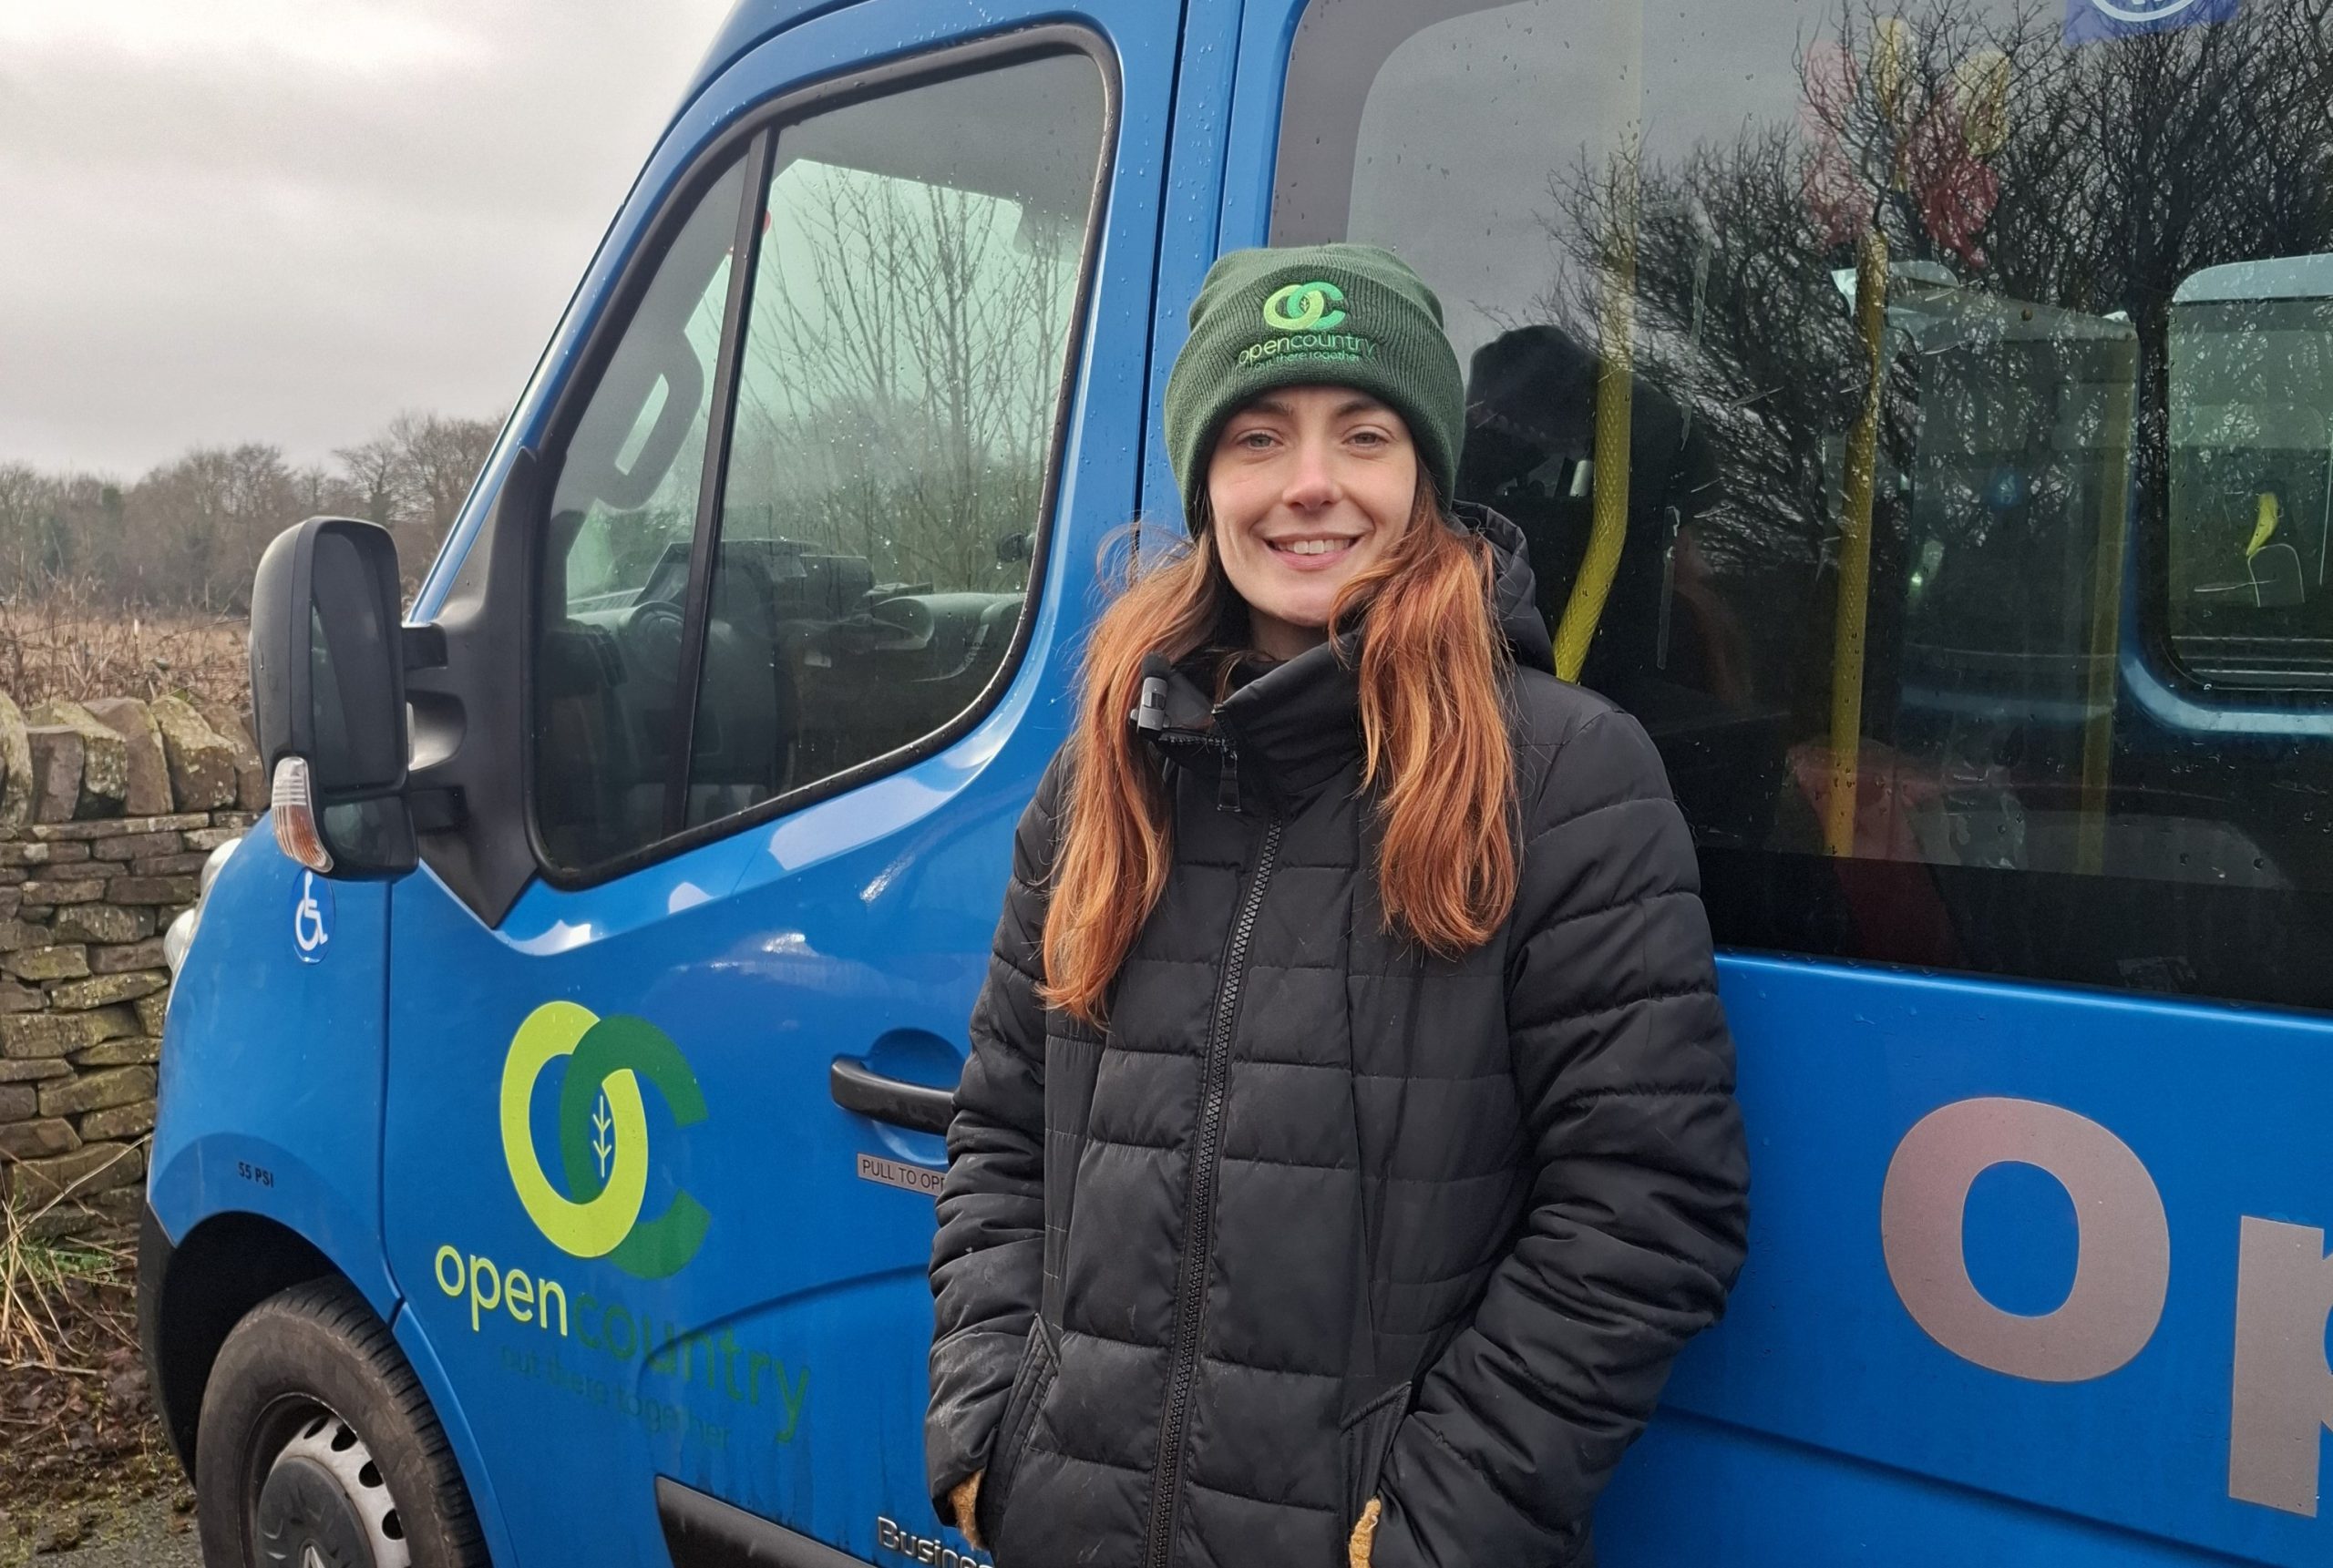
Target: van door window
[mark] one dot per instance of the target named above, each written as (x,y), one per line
(2250,599)
(895,316)
(607,667)
(903,365)
(1940,468)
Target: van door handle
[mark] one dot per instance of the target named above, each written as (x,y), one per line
(918,1107)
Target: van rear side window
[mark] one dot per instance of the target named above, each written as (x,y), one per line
(796,528)
(1946,490)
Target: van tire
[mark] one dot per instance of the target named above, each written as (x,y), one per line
(300,1367)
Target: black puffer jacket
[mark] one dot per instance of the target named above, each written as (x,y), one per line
(1319,1218)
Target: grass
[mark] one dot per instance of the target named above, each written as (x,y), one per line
(40,1278)
(36,1277)
(33,1276)
(68,643)
(76,1420)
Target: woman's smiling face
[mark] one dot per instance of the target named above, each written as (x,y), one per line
(1308,486)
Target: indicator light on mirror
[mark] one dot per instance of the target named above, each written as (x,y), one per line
(295,817)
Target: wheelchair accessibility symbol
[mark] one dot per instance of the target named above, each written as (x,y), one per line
(311,918)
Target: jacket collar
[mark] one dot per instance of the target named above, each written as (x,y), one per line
(1515,592)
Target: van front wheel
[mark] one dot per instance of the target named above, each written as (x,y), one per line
(317,1448)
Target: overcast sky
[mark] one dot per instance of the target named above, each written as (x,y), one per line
(283,221)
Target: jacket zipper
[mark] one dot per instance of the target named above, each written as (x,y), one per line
(1190,1296)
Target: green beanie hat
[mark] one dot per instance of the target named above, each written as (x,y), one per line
(1332,315)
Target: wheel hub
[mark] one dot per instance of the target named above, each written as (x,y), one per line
(324,1503)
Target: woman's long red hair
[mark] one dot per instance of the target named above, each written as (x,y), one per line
(1435,747)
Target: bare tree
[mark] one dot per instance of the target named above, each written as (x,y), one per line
(190,532)
(1990,162)
(900,374)
(200,522)
(27,532)
(374,471)
(438,459)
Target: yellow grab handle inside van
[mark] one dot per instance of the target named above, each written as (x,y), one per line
(1608,516)
(2263,524)
(1855,554)
(2106,614)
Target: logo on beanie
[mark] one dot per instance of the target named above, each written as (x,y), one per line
(1305,307)
(1307,315)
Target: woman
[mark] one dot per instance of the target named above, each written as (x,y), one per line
(1348,1144)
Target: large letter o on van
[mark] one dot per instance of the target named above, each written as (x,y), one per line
(2122,1271)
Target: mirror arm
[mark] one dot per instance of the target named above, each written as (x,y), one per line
(423,647)
(437,810)
(467,786)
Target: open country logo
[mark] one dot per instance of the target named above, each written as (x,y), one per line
(1306,316)
(1305,308)
(600,1348)
(603,1122)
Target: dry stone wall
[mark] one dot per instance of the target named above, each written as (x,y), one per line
(107,811)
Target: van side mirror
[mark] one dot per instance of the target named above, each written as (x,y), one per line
(328,697)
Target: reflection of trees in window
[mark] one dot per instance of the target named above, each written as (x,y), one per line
(1986,153)
(901,369)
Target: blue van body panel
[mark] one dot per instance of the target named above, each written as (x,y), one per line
(1821,1378)
(272,1096)
(1754,1501)
(1252,150)
(271,1069)
(1188,242)
(750,23)
(810,1294)
(782,1367)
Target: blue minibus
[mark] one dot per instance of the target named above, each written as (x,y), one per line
(1921,414)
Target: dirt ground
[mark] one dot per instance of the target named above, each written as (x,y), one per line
(143,1532)
(86,1475)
